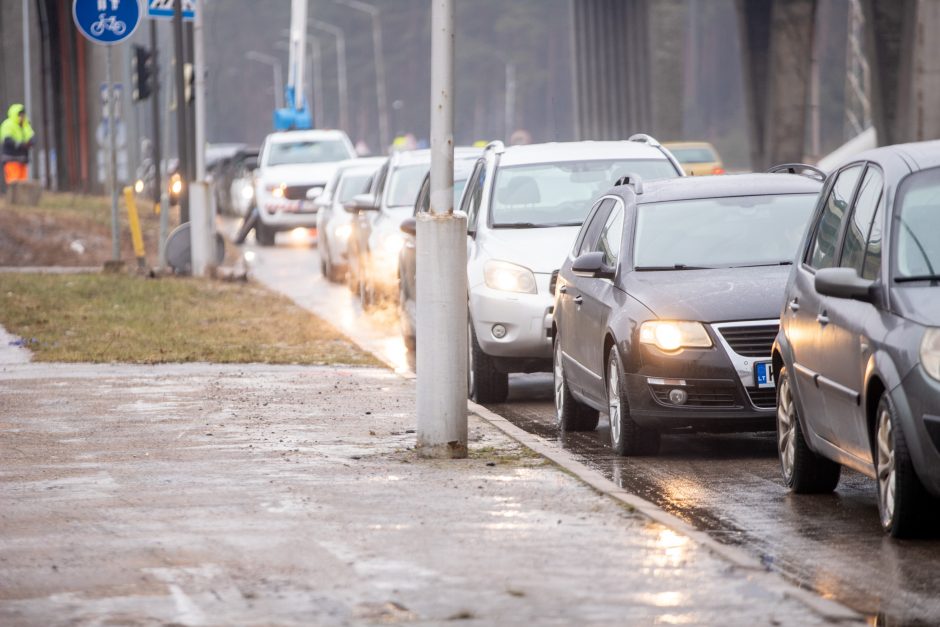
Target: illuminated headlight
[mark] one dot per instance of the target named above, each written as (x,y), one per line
(668,335)
(248,192)
(139,186)
(343,231)
(508,277)
(391,244)
(176,185)
(277,190)
(930,353)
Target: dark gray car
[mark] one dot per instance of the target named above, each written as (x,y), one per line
(857,359)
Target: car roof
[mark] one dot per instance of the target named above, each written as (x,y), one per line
(361,162)
(722,186)
(321,134)
(578,151)
(671,145)
(915,155)
(422,157)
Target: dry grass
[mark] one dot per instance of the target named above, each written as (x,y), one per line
(122,318)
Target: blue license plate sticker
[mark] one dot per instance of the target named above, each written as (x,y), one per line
(764,374)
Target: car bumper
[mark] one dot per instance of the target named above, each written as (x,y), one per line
(527,319)
(917,399)
(288,214)
(716,395)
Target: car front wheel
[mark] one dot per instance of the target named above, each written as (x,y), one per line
(804,471)
(485,384)
(627,438)
(901,496)
(570,414)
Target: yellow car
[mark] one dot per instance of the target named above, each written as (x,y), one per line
(697,158)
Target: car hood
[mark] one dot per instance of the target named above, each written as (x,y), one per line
(920,304)
(298,173)
(540,250)
(714,295)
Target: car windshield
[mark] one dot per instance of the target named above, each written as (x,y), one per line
(693,155)
(561,194)
(405,184)
(721,232)
(351,184)
(282,153)
(918,248)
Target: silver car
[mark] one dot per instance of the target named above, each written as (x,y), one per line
(334,223)
(524,206)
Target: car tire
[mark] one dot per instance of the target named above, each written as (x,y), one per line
(485,384)
(570,413)
(902,499)
(804,472)
(627,438)
(264,234)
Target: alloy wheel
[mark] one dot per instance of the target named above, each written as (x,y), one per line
(613,401)
(786,428)
(887,475)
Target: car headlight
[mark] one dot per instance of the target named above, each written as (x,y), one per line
(277,190)
(392,243)
(930,353)
(670,335)
(139,186)
(248,192)
(176,185)
(508,277)
(343,231)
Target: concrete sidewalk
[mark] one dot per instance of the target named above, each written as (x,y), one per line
(202,494)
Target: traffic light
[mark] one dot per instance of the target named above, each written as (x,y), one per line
(188,76)
(142,73)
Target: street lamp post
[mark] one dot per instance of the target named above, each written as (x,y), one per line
(275,63)
(381,97)
(341,76)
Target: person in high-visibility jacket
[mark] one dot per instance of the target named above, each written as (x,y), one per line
(17,137)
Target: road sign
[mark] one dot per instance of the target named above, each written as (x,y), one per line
(164,9)
(106,21)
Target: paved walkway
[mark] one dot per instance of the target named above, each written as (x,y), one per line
(202,494)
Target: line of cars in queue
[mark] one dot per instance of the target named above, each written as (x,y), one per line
(786,300)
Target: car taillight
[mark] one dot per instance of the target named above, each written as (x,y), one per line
(718,170)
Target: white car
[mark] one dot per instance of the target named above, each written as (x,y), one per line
(293,170)
(334,223)
(525,206)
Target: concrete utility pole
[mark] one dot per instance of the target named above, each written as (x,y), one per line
(202,225)
(181,133)
(27,70)
(341,75)
(381,97)
(442,268)
(158,144)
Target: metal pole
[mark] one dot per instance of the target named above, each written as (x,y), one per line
(27,70)
(199,87)
(275,64)
(510,113)
(317,80)
(442,269)
(112,162)
(380,81)
(157,143)
(341,74)
(181,134)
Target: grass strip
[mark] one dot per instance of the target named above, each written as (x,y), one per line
(122,318)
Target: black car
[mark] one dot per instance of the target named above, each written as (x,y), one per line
(667,306)
(857,359)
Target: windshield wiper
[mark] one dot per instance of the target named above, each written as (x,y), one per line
(918,277)
(521,225)
(678,266)
(764,265)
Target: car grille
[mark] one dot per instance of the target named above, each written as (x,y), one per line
(699,395)
(297,192)
(750,341)
(764,398)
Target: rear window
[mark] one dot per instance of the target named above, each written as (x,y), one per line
(693,155)
(284,153)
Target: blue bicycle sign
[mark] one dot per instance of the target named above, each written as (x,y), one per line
(106,21)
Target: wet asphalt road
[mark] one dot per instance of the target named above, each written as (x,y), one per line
(727,485)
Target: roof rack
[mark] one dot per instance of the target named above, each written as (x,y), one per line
(496,146)
(633,180)
(802,169)
(652,142)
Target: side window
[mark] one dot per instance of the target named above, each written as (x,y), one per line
(822,250)
(423,204)
(863,212)
(474,195)
(378,182)
(872,265)
(591,231)
(611,236)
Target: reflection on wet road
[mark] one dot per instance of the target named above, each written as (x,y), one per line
(727,485)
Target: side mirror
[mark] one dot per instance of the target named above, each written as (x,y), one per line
(591,265)
(844,283)
(362,202)
(409,226)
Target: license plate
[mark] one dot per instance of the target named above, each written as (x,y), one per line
(764,374)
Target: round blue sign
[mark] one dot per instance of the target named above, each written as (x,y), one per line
(106,21)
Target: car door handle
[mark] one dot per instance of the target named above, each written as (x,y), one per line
(563,289)
(794,305)
(823,318)
(578,299)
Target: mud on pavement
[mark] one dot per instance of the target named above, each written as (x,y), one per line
(201,494)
